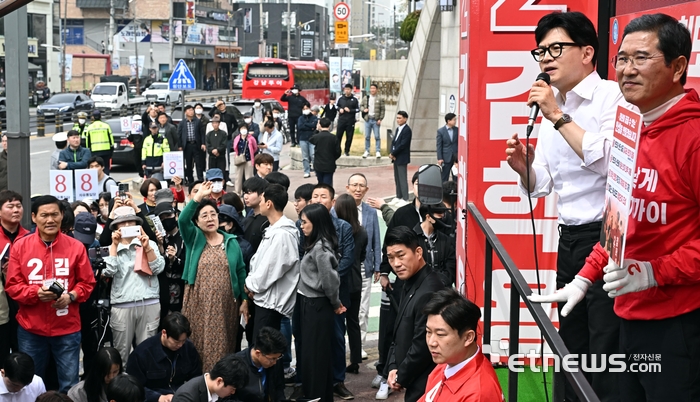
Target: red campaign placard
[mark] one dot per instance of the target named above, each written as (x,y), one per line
(687,13)
(496,73)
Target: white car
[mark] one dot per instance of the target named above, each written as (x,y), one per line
(159,92)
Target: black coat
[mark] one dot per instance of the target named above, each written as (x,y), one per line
(401,148)
(404,216)
(327,151)
(194,390)
(358,272)
(230,119)
(199,135)
(330,112)
(254,392)
(295,104)
(351,103)
(154,370)
(445,262)
(409,353)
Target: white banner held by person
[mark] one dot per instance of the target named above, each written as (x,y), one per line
(173,165)
(61,182)
(125,123)
(86,184)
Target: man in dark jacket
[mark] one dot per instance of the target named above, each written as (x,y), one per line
(295,104)
(326,152)
(165,361)
(307,124)
(231,127)
(266,383)
(229,374)
(347,108)
(193,144)
(330,110)
(216,145)
(438,250)
(168,131)
(74,156)
(400,153)
(410,361)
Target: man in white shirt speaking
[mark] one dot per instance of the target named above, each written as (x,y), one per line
(572,159)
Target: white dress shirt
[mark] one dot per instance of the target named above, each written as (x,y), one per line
(359,213)
(452,370)
(210,397)
(580,185)
(26,394)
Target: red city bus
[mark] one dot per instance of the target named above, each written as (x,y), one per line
(270,78)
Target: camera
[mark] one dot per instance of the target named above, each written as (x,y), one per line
(123,191)
(56,288)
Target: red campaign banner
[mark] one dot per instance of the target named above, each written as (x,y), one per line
(687,13)
(496,73)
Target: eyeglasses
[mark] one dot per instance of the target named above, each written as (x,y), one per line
(555,50)
(357,185)
(620,62)
(273,359)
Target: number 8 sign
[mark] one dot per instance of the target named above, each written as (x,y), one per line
(61,184)
(86,184)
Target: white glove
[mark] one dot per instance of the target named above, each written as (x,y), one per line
(572,293)
(633,276)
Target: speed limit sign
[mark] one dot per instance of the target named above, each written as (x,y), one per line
(341,11)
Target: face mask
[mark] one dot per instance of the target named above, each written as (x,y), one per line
(295,91)
(217,187)
(243,132)
(104,211)
(247,121)
(169,224)
(306,111)
(199,111)
(256,104)
(81,121)
(276,115)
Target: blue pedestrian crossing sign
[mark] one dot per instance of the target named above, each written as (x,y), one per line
(182,78)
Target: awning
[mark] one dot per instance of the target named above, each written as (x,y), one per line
(33,67)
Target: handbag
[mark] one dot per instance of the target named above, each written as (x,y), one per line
(240,159)
(141,266)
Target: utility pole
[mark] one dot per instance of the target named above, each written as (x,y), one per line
(110,34)
(136,53)
(230,71)
(62,39)
(171,38)
(289,37)
(394,43)
(261,49)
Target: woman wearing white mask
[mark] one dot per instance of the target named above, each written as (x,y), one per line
(253,127)
(244,148)
(257,112)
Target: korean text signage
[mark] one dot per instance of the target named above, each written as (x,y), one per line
(342,34)
(496,73)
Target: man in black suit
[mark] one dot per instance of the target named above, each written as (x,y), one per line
(447,137)
(401,154)
(192,143)
(410,361)
(229,373)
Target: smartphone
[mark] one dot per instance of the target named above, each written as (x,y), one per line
(158,225)
(262,143)
(130,231)
(123,191)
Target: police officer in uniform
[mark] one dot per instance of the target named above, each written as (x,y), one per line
(99,139)
(154,146)
(81,126)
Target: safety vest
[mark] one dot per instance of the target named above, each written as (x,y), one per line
(82,131)
(154,148)
(99,136)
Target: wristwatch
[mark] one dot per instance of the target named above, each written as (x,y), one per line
(72,297)
(565,118)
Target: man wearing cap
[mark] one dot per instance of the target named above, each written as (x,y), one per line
(154,146)
(81,126)
(216,177)
(295,105)
(253,127)
(61,141)
(216,145)
(74,156)
(191,141)
(99,139)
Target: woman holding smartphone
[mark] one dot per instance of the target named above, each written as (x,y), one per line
(318,300)
(135,296)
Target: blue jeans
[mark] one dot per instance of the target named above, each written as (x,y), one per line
(325,177)
(307,154)
(371,125)
(286,329)
(65,350)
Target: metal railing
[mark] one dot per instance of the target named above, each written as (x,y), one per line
(519,290)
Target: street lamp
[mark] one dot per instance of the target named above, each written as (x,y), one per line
(393,17)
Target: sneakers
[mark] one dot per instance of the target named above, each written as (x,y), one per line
(347,154)
(366,154)
(290,373)
(229,184)
(341,392)
(364,355)
(384,391)
(297,393)
(379,154)
(307,175)
(377,381)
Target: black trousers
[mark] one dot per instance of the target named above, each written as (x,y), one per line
(107,157)
(346,127)
(193,156)
(316,315)
(4,343)
(218,162)
(352,319)
(591,328)
(275,166)
(292,123)
(265,317)
(672,342)
(138,146)
(387,319)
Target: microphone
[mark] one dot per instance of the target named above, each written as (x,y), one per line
(535,109)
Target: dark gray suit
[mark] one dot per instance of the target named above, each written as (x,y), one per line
(194,390)
(447,149)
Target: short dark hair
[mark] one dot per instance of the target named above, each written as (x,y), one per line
(348,86)
(449,192)
(68,220)
(46,200)
(125,388)
(9,196)
(358,174)
(264,158)
(97,159)
(76,204)
(188,107)
(402,113)
(146,183)
(458,312)
(198,104)
(270,341)
(269,124)
(402,235)
(279,178)
(175,324)
(373,85)
(449,117)
(194,183)
(579,28)
(233,200)
(278,195)
(305,192)
(325,122)
(72,133)
(674,37)
(19,368)
(257,100)
(255,185)
(232,370)
(53,396)
(325,186)
(414,179)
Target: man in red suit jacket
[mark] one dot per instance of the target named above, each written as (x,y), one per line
(462,373)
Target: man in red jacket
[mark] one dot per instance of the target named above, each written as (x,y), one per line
(462,372)
(657,288)
(49,275)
